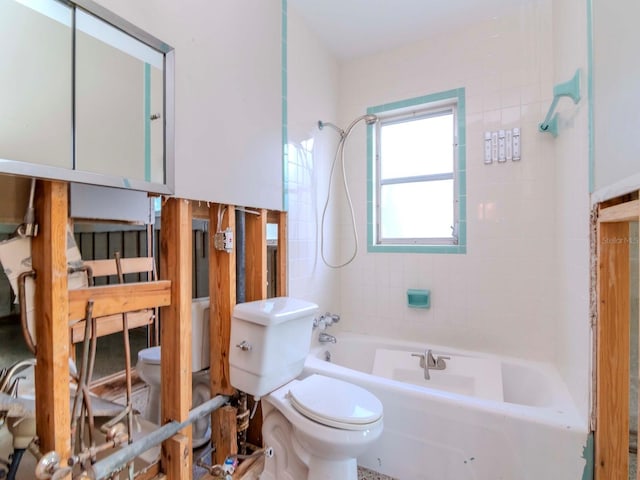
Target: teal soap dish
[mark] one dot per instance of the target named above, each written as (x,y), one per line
(418,298)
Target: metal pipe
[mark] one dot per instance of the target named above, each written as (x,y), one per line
(241,276)
(113,463)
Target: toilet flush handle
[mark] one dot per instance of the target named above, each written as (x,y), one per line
(244,346)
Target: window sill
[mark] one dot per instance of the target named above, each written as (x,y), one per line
(459,249)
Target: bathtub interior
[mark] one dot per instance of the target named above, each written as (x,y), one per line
(473,374)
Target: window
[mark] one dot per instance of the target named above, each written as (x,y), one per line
(417,172)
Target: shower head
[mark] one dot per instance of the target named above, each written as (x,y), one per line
(370,119)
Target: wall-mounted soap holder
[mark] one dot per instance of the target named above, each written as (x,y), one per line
(418,298)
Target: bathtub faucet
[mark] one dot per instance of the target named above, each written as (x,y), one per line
(326,338)
(326,320)
(429,362)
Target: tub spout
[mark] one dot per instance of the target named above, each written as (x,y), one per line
(326,338)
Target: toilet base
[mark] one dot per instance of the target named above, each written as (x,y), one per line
(291,462)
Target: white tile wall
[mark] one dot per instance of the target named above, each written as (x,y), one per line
(500,296)
(573,332)
(522,287)
(311,96)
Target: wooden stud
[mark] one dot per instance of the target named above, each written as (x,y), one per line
(222,294)
(623,212)
(177,457)
(175,341)
(49,257)
(224,434)
(112,299)
(612,354)
(256,256)
(281,252)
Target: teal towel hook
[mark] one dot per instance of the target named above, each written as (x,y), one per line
(571,89)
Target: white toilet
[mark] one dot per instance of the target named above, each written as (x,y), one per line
(148,367)
(316,426)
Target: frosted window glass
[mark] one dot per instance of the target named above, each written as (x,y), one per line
(417,210)
(417,147)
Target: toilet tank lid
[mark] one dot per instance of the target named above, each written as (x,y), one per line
(150,355)
(274,310)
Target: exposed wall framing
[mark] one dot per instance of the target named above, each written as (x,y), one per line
(56,305)
(612,339)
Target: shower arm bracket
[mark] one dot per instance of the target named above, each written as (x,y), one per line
(571,89)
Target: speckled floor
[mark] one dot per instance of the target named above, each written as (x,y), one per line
(365,474)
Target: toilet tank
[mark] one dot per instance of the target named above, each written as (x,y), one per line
(200,357)
(270,340)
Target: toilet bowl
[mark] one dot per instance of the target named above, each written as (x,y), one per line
(148,368)
(316,426)
(329,423)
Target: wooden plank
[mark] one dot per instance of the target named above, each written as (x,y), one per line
(175,337)
(256,256)
(223,434)
(113,323)
(177,457)
(623,212)
(222,294)
(51,309)
(612,354)
(106,267)
(281,253)
(112,299)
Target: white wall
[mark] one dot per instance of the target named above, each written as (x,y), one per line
(312,95)
(573,331)
(228,95)
(616,102)
(500,296)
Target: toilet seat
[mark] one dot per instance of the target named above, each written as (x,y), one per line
(150,356)
(335,403)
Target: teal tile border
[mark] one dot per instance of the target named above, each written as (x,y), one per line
(459,94)
(147,122)
(285,110)
(590,60)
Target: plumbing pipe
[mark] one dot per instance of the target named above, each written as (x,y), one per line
(241,281)
(113,463)
(22,298)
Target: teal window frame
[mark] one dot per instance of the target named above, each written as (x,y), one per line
(422,103)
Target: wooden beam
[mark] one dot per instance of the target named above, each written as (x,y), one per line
(612,353)
(224,434)
(112,299)
(177,457)
(256,256)
(623,212)
(49,257)
(222,294)
(175,265)
(113,324)
(281,252)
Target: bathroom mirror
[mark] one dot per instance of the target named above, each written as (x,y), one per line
(90,97)
(35,82)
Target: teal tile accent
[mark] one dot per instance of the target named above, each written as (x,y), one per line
(461,248)
(588,455)
(590,94)
(418,298)
(147,122)
(285,132)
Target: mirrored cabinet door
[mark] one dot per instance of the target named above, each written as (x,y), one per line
(119,110)
(36,82)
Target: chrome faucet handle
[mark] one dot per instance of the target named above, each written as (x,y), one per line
(334,317)
(421,357)
(440,362)
(244,346)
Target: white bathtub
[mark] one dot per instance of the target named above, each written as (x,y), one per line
(482,418)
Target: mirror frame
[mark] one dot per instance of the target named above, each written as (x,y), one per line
(29,169)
